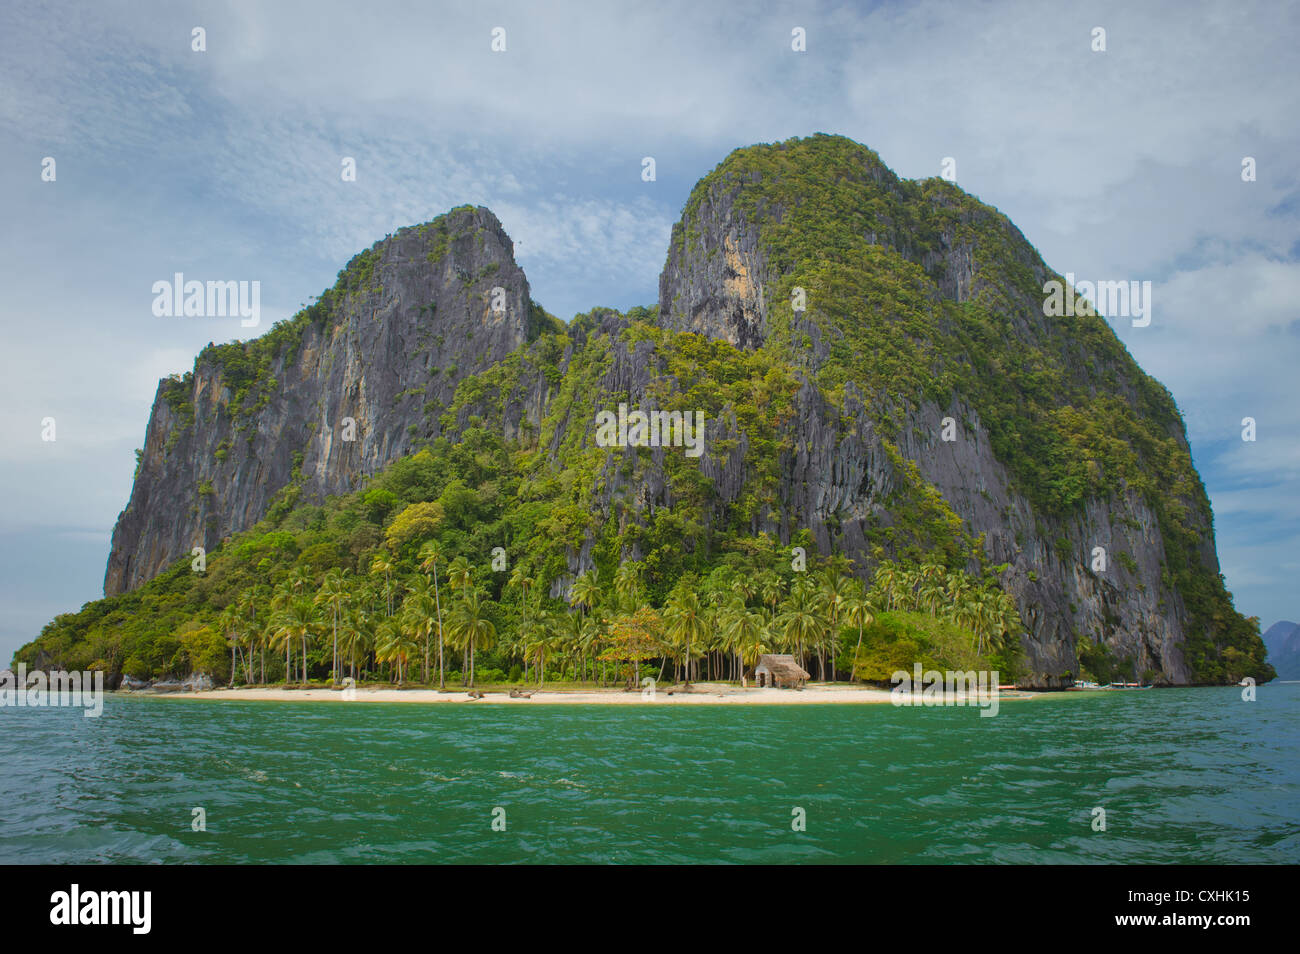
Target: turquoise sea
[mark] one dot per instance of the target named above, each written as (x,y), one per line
(1185,776)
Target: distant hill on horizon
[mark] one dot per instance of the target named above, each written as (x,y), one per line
(1282,640)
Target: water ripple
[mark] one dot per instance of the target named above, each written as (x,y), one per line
(1191,776)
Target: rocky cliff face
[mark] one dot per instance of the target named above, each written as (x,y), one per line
(720,281)
(357,383)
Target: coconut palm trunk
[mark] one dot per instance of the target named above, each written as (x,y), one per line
(437,602)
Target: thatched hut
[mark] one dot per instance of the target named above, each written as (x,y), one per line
(780,671)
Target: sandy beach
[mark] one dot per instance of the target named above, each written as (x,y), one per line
(698,694)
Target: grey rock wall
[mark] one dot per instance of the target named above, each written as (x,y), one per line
(400,344)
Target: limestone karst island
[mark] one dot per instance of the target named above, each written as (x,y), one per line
(898,458)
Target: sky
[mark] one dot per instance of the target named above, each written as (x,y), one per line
(224,163)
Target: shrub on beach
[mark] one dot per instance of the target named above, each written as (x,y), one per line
(899,639)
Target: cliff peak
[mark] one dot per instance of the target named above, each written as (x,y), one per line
(351,383)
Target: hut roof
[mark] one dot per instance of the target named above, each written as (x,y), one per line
(783,664)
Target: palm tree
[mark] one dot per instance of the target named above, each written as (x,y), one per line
(356,634)
(365,601)
(888,583)
(584,593)
(800,622)
(228,623)
(395,643)
(431,555)
(858,612)
(966,612)
(590,633)
(296,621)
(955,588)
(932,572)
(458,574)
(521,579)
(237,632)
(418,611)
(334,594)
(685,618)
(1006,618)
(298,580)
(281,596)
(982,618)
(247,604)
(743,630)
(539,640)
(383,564)
(565,635)
(771,589)
(468,627)
(267,638)
(833,593)
(627,584)
(932,581)
(756,645)
(244,629)
(746,586)
(909,582)
(991,614)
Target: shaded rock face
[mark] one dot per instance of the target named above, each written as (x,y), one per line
(1059,592)
(715,278)
(389,360)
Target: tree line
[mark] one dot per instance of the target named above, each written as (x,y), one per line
(404,627)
